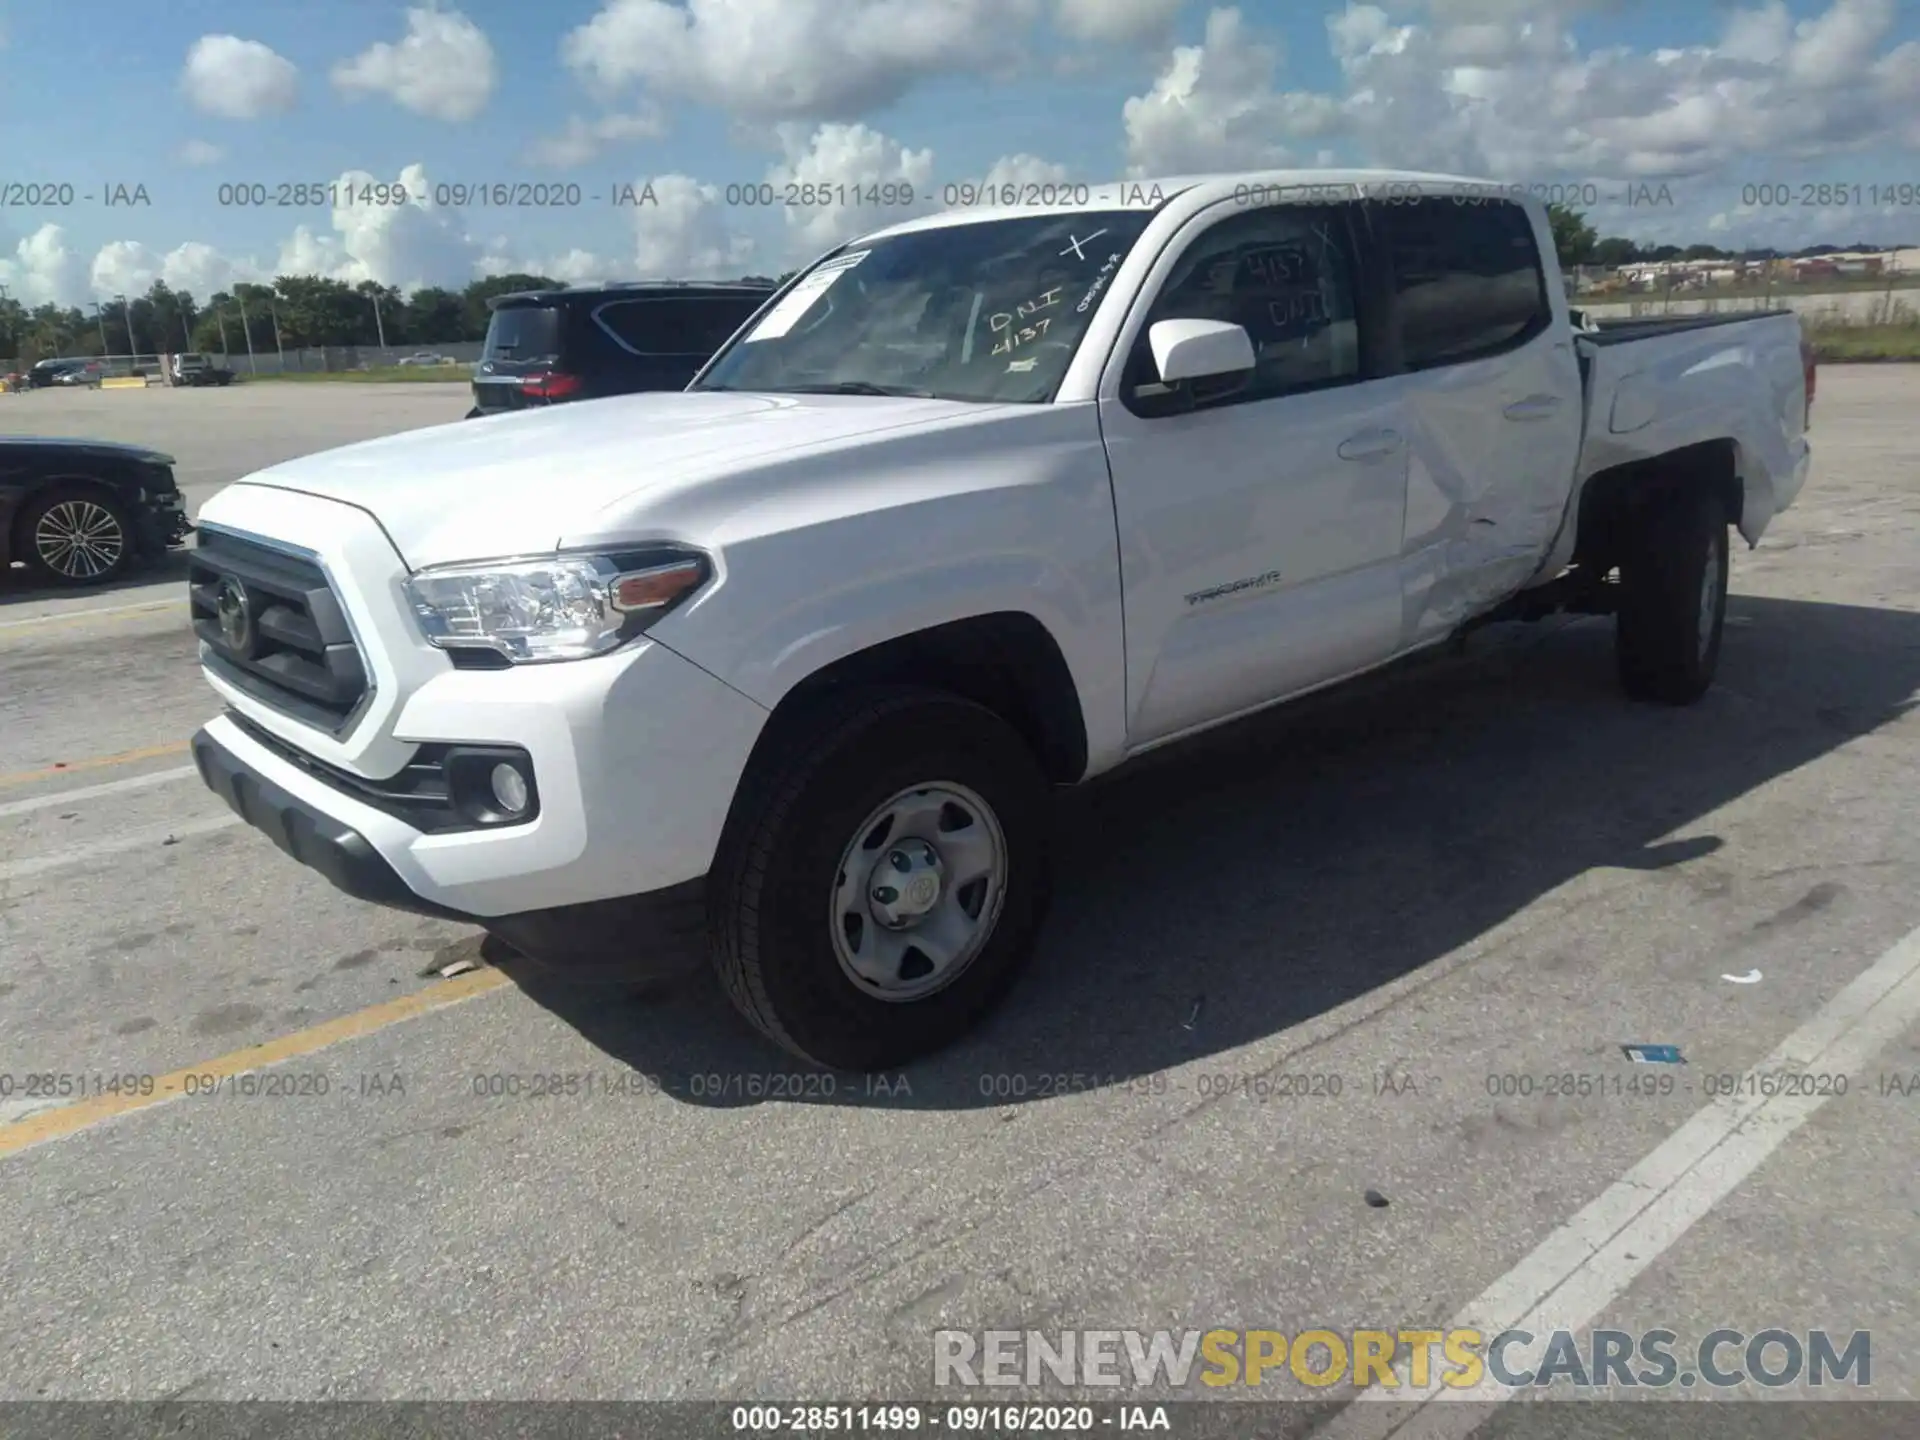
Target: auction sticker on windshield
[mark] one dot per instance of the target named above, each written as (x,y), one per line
(797,301)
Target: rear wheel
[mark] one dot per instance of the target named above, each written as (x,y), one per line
(75,535)
(1673,599)
(885,880)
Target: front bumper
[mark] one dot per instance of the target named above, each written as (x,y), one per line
(631,937)
(160,524)
(316,840)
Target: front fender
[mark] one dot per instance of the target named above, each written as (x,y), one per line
(1036,537)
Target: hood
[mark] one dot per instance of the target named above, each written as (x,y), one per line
(77,446)
(517,484)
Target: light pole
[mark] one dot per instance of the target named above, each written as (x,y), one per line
(379,325)
(246,326)
(133,346)
(100,318)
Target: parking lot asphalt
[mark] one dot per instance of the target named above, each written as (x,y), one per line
(1283,1061)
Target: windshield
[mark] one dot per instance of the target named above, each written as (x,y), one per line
(990,311)
(522,333)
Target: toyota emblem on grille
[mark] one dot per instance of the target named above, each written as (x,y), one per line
(236,616)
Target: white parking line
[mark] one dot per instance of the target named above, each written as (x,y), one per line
(84,614)
(91,792)
(128,840)
(1583,1266)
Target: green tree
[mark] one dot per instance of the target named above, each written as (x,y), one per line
(257,304)
(390,317)
(14,326)
(216,329)
(317,311)
(436,316)
(1573,238)
(1614,252)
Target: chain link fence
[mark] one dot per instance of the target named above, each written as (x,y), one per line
(456,360)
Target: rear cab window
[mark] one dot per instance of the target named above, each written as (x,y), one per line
(1468,279)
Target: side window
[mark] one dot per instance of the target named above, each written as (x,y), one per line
(693,325)
(1287,275)
(1467,279)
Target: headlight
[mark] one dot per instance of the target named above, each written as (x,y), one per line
(564,607)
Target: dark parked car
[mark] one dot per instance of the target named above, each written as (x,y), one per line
(589,341)
(59,372)
(80,512)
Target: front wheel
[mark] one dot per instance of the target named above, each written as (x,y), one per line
(1673,599)
(884,881)
(75,536)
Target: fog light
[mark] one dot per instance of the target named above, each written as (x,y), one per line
(509,789)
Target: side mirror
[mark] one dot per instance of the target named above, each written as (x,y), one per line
(1199,350)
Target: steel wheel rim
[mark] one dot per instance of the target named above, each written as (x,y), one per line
(908,947)
(80,539)
(1710,594)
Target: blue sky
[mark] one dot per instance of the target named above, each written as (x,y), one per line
(698,95)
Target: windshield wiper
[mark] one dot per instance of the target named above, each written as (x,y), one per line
(855,387)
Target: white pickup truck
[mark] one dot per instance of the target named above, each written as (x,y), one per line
(780,670)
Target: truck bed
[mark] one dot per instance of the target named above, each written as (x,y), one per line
(1656,386)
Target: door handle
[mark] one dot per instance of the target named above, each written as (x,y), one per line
(1534,407)
(1371,445)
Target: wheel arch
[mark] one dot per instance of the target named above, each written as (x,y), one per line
(1007,661)
(1613,500)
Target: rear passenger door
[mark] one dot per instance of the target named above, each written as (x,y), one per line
(1491,400)
(665,340)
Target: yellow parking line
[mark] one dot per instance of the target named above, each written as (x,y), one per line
(70,767)
(81,1115)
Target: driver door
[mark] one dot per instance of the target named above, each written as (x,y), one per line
(1260,524)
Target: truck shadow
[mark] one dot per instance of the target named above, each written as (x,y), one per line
(1243,884)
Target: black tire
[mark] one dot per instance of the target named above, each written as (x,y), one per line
(473,414)
(1666,642)
(771,915)
(69,512)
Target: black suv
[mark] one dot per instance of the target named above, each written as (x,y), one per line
(588,341)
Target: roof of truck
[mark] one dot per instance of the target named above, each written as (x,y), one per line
(1066,198)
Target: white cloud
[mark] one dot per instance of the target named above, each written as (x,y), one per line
(768,60)
(42,269)
(854,166)
(408,245)
(1023,170)
(1214,107)
(127,267)
(200,152)
(682,234)
(583,139)
(1117,22)
(1538,107)
(238,79)
(1503,88)
(444,68)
